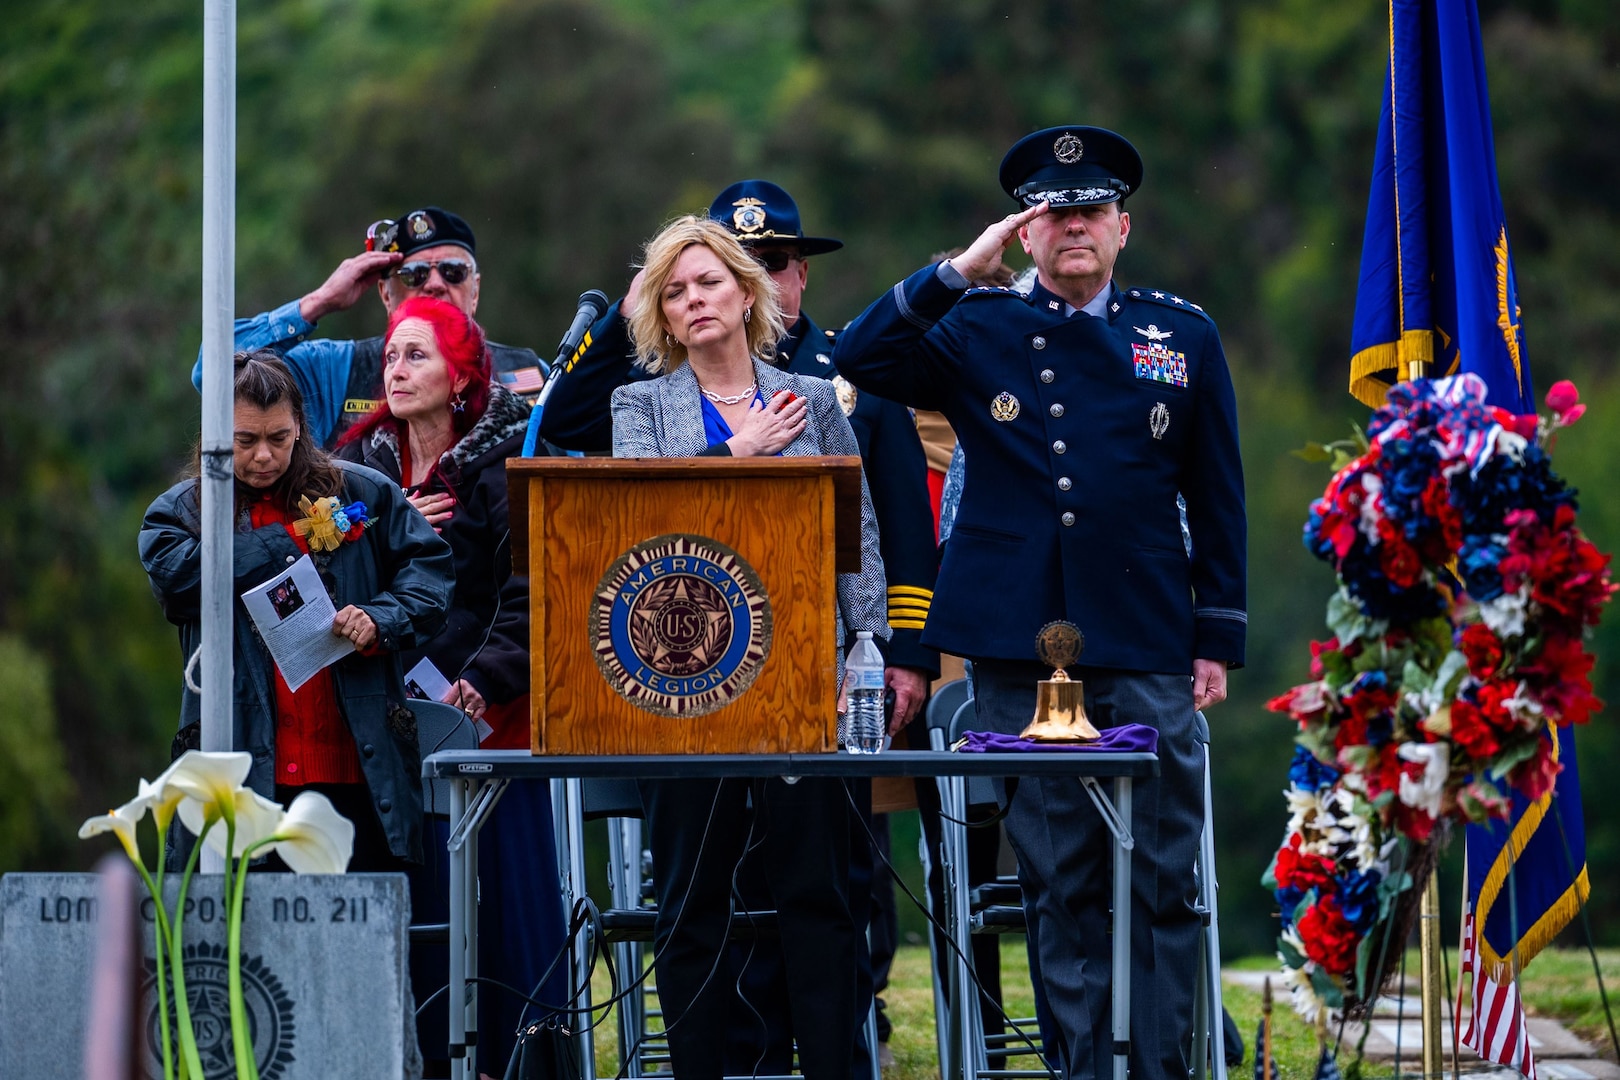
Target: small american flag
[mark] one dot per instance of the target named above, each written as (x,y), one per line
(525,382)
(1496,1029)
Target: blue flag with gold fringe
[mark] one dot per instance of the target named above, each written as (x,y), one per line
(1437,287)
(1437,282)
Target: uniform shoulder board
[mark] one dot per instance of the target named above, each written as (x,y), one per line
(1168,299)
(992,290)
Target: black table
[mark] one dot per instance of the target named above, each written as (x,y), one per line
(479,777)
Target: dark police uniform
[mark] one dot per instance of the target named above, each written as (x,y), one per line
(1079,432)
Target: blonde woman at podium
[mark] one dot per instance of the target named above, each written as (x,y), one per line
(715,322)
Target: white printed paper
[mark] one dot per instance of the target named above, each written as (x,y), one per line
(294,617)
(427,682)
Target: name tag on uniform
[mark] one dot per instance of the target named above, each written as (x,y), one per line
(1159,363)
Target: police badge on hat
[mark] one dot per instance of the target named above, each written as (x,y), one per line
(1004,408)
(749,217)
(420,225)
(846,394)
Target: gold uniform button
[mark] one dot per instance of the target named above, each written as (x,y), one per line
(1047,375)
(1059,447)
(1057,410)
(1064,483)
(1068,518)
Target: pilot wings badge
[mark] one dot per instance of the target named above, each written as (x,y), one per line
(1153,333)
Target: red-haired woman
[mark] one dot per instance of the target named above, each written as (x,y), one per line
(444,432)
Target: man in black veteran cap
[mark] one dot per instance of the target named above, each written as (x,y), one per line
(426,252)
(1084,409)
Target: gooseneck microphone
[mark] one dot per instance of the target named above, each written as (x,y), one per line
(592,304)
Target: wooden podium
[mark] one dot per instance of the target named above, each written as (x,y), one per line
(684,605)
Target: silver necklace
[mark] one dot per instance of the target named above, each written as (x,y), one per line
(719,399)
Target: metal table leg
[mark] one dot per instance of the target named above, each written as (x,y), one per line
(458,944)
(470,805)
(1122,929)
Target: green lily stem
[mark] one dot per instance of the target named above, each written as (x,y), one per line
(159,935)
(247,1066)
(191,1060)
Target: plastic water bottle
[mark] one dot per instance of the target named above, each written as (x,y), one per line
(865,731)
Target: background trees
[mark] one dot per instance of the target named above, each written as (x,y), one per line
(567,130)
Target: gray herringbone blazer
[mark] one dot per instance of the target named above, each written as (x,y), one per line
(663,417)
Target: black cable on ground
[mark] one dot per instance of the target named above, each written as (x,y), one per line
(946,937)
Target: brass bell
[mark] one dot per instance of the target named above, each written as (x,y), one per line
(1060,702)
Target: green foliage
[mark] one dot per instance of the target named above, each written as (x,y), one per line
(34,784)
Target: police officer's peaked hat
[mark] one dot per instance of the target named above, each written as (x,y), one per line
(428,227)
(759,212)
(1071,166)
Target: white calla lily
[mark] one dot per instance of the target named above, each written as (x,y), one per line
(208,783)
(257,819)
(121,823)
(313,837)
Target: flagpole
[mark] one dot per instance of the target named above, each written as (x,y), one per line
(1433,995)
(218,302)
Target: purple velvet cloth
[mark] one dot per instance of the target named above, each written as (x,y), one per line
(1127,739)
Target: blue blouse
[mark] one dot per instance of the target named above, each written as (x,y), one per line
(715,428)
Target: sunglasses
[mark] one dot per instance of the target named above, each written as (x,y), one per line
(414,275)
(774,261)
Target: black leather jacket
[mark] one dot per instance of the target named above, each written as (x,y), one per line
(399,572)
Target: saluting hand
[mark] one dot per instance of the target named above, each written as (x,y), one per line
(348,283)
(982,256)
(769,428)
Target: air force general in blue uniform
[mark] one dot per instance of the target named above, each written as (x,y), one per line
(1084,409)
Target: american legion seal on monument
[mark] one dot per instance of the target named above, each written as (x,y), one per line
(681,625)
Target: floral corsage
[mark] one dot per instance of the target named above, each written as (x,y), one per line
(326,523)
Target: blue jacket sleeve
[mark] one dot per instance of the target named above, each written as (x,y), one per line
(578,413)
(899,349)
(321,366)
(897,471)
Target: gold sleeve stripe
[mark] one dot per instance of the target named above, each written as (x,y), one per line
(905,624)
(911,590)
(920,607)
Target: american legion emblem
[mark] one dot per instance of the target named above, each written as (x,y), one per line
(680,625)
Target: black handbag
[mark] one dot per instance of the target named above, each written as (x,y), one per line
(546,1050)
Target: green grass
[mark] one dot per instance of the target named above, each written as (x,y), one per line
(1559,984)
